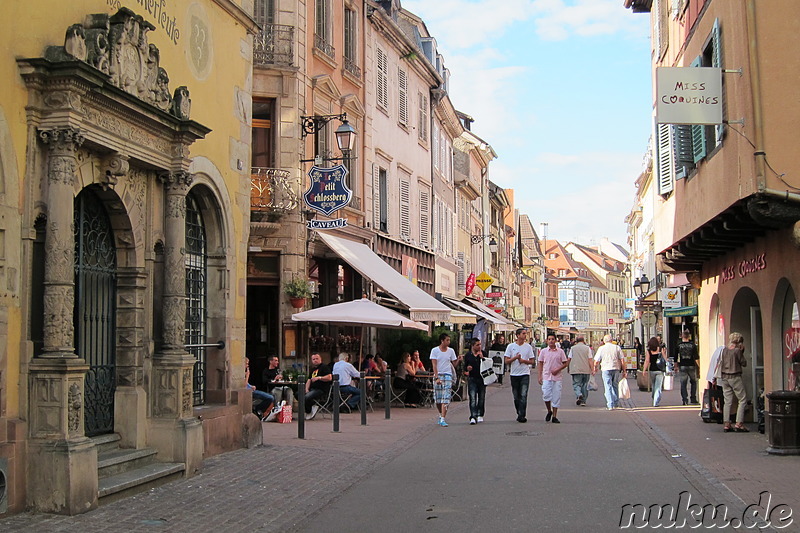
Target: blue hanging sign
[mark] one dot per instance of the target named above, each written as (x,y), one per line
(328,191)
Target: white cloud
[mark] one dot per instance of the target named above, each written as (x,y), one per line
(459,24)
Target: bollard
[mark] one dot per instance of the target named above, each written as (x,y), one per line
(301,406)
(387,393)
(362,402)
(337,399)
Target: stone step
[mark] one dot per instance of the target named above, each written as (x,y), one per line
(116,461)
(107,442)
(125,484)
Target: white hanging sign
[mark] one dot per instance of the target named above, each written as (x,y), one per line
(688,95)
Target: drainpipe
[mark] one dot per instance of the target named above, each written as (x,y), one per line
(755,84)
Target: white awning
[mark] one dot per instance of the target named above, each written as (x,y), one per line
(507,325)
(498,323)
(460,317)
(422,306)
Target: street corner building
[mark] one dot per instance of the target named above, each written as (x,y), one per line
(124,141)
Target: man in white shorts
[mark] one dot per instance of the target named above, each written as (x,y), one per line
(442,358)
(552,360)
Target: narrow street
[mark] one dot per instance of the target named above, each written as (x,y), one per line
(407,474)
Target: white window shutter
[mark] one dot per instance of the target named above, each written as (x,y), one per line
(424,219)
(402,99)
(382,88)
(376,197)
(405,210)
(462,274)
(666,160)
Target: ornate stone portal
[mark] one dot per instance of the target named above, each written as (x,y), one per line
(74,112)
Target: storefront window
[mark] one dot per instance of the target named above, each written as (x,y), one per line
(790,362)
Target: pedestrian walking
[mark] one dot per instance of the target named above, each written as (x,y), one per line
(655,365)
(609,355)
(552,360)
(730,366)
(477,389)
(442,358)
(687,357)
(580,368)
(519,354)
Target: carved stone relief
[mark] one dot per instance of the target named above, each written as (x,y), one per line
(47,412)
(166,392)
(75,408)
(59,333)
(174,322)
(187,392)
(118,45)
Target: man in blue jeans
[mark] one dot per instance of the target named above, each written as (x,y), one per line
(520,356)
(477,389)
(687,357)
(609,355)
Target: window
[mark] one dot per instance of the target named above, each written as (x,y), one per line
(402,97)
(196,285)
(383,190)
(350,42)
(262,140)
(322,23)
(422,126)
(265,12)
(382,89)
(679,147)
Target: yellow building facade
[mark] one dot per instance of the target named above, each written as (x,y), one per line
(124,190)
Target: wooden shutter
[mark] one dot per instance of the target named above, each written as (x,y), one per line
(422,127)
(716,61)
(665,159)
(699,148)
(382,88)
(461,278)
(376,197)
(405,209)
(402,98)
(424,218)
(383,186)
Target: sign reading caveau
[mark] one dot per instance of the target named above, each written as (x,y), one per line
(743,268)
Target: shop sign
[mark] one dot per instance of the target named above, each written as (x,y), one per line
(611,322)
(327,191)
(689,95)
(670,298)
(791,345)
(494,294)
(743,268)
(484,281)
(470,283)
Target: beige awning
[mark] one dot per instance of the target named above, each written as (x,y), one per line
(507,325)
(498,322)
(422,306)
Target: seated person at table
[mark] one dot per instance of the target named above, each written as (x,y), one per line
(262,400)
(318,384)
(346,373)
(416,362)
(381,364)
(368,365)
(405,380)
(272,374)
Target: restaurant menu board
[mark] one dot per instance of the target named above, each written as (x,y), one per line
(630,358)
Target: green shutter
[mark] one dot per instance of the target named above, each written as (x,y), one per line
(684,155)
(699,149)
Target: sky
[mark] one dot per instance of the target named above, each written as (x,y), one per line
(561,90)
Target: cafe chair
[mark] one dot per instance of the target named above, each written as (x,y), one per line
(398,395)
(325,403)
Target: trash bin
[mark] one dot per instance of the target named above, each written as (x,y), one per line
(784,422)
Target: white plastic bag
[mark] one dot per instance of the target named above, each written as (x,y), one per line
(592,385)
(624,391)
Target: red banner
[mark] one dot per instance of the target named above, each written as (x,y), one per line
(470,283)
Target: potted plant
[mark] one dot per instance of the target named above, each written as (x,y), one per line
(297,291)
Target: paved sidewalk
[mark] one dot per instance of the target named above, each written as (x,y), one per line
(274,487)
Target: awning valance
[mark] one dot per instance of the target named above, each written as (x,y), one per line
(681,311)
(422,306)
(500,322)
(479,315)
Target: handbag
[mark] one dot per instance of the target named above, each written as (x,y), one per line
(669,382)
(487,371)
(713,401)
(285,416)
(592,385)
(623,390)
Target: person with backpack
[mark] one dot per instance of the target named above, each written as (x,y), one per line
(655,364)
(687,357)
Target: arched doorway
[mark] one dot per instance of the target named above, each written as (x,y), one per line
(95,309)
(746,319)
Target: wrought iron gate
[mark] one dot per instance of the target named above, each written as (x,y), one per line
(196,263)
(95,309)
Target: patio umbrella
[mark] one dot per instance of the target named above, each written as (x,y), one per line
(361,312)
